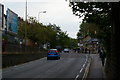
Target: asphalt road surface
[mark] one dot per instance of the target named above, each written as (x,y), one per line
(70,65)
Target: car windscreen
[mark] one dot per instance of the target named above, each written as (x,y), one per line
(52,51)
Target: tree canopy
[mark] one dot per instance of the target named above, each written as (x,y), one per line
(97,19)
(42,34)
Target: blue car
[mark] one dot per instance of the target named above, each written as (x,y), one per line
(53,53)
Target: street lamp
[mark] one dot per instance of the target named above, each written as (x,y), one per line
(40,12)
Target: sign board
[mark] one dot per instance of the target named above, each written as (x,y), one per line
(12,21)
(1,16)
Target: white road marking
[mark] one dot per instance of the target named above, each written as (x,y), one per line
(76,77)
(83,65)
(81,70)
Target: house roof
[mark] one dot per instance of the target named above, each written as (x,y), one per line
(92,40)
(86,38)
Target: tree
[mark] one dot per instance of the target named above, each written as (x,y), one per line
(98,14)
(35,31)
(88,29)
(43,34)
(95,13)
(107,15)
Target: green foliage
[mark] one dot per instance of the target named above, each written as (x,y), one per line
(42,34)
(90,8)
(88,29)
(98,15)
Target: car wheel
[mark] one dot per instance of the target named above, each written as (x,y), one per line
(58,58)
(47,58)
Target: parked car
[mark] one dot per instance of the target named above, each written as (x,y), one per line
(53,53)
(66,50)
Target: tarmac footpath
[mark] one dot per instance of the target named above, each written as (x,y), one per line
(96,70)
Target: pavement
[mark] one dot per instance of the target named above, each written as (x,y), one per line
(96,70)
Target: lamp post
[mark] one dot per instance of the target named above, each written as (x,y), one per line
(40,12)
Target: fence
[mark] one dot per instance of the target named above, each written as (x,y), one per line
(13,48)
(16,54)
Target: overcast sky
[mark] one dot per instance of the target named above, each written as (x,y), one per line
(57,12)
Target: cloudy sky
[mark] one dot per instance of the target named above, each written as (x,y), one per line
(57,12)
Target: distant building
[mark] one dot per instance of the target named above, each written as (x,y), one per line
(1,16)
(89,43)
(86,38)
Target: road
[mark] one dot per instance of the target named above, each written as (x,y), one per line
(70,65)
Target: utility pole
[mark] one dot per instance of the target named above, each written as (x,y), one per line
(25,26)
(26,12)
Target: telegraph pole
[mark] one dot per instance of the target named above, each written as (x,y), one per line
(26,12)
(25,26)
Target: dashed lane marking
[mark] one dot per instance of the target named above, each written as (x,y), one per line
(81,70)
(76,77)
(83,65)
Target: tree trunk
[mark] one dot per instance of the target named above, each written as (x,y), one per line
(114,58)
